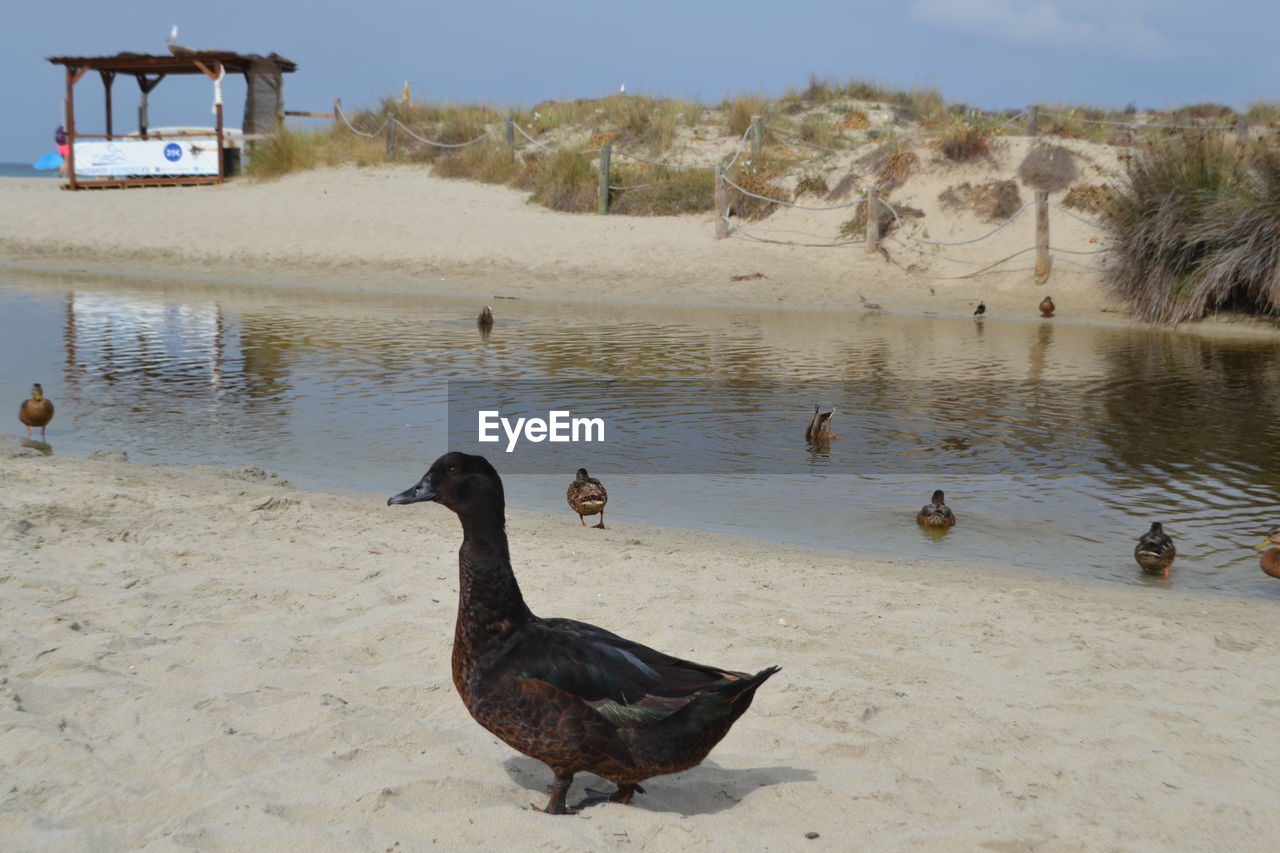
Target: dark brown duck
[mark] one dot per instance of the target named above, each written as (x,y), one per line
(574,696)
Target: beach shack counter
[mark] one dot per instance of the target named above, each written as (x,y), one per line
(166,152)
(171,155)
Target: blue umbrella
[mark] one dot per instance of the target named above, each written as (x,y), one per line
(52,160)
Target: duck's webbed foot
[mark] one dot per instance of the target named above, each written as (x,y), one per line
(623,795)
(559,791)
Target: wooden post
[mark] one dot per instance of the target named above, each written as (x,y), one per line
(873,221)
(71,128)
(722,205)
(1033,119)
(337,111)
(108,77)
(757,135)
(391,136)
(511,132)
(606,154)
(1042,236)
(217,114)
(1242,131)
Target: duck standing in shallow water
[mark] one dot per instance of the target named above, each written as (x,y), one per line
(1047,307)
(486,317)
(1155,551)
(36,412)
(1270,562)
(980,310)
(574,696)
(587,496)
(936,513)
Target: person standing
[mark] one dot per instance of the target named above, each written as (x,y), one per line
(64,149)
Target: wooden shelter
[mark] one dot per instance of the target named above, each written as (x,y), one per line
(264,104)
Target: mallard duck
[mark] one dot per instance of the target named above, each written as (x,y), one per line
(1270,561)
(587,496)
(36,412)
(486,316)
(1047,307)
(936,513)
(576,697)
(819,428)
(1155,551)
(980,310)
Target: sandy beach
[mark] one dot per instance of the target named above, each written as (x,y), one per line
(208,659)
(399,228)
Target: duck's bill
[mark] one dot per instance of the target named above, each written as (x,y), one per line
(413,495)
(1264,543)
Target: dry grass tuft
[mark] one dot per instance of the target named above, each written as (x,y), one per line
(962,141)
(811,185)
(893,162)
(1091,198)
(991,202)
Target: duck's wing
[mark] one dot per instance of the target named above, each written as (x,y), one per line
(629,684)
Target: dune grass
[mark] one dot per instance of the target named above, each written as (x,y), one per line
(1196,226)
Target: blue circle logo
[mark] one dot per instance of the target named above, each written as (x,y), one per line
(173,152)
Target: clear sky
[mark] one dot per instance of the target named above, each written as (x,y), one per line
(987,53)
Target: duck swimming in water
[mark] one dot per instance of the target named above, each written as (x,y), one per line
(980,310)
(936,513)
(486,317)
(576,697)
(1047,307)
(1270,561)
(36,412)
(1155,551)
(587,496)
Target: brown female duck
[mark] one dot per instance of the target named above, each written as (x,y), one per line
(1270,562)
(587,496)
(1155,551)
(1047,307)
(569,694)
(936,513)
(486,317)
(819,428)
(36,412)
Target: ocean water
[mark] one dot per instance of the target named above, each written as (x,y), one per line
(24,170)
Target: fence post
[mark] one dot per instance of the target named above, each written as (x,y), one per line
(511,132)
(606,154)
(1242,131)
(337,111)
(1033,119)
(391,136)
(757,135)
(1042,236)
(722,205)
(873,221)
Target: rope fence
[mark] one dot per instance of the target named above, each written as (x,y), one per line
(906,238)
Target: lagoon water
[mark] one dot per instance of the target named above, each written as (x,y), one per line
(1057,444)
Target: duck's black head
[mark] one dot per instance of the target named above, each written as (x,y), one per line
(938,498)
(465,484)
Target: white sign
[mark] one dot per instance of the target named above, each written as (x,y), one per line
(117,158)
